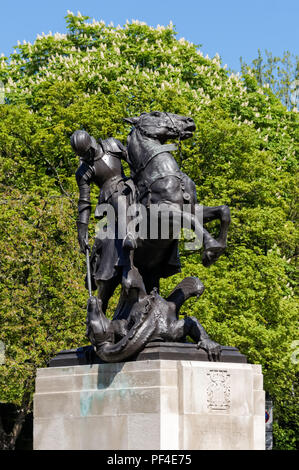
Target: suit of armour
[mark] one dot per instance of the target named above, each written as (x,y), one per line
(105,171)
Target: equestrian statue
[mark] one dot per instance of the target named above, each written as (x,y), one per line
(138,262)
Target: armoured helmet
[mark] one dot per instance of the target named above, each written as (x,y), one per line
(82,142)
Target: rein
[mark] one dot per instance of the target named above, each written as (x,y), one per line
(173,127)
(179,141)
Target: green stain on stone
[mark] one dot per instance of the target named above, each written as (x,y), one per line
(85,403)
(86,396)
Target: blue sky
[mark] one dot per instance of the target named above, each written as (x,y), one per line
(233,28)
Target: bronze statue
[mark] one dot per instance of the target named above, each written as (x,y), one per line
(152,318)
(138,263)
(100,163)
(159,179)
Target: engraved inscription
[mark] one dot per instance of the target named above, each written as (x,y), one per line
(218,391)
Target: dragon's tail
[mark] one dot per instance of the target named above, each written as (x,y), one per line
(136,338)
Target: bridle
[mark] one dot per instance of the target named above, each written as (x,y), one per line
(180,134)
(172,127)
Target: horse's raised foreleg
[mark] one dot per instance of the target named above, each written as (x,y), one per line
(166,194)
(223,214)
(196,224)
(174,216)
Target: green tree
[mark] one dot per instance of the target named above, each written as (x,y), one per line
(243,154)
(281,74)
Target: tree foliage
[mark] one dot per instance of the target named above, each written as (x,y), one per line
(243,154)
(281,74)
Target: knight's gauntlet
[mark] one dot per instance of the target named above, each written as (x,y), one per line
(82,229)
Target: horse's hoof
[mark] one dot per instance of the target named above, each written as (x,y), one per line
(208,258)
(225,216)
(213,246)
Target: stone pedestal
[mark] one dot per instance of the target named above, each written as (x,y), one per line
(152,404)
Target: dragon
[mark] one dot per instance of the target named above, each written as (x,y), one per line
(152,318)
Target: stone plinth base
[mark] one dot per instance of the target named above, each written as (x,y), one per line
(153,404)
(153,350)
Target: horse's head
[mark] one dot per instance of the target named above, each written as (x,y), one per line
(163,126)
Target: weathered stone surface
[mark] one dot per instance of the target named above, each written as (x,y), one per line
(154,404)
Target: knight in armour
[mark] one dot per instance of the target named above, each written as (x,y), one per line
(100,164)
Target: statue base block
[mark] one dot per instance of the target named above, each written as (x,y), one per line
(150,404)
(153,350)
(186,352)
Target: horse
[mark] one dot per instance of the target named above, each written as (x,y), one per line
(159,180)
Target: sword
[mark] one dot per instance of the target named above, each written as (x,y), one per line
(88,273)
(89,286)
